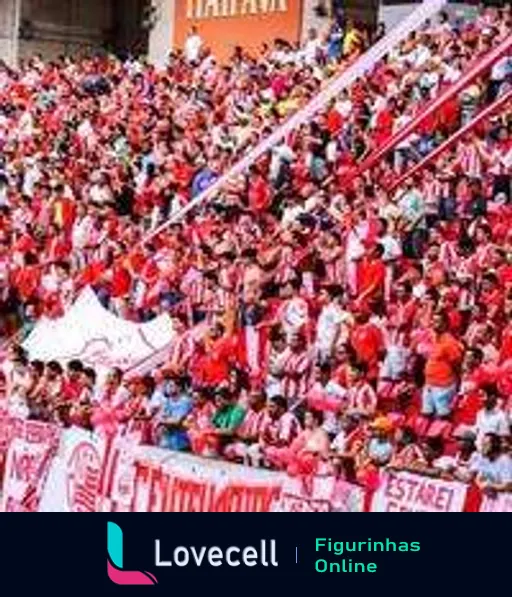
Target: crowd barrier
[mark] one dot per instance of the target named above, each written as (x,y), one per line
(47,469)
(501,104)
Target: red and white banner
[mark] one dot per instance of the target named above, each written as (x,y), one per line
(162,481)
(406,492)
(321,494)
(75,478)
(502,502)
(29,458)
(88,474)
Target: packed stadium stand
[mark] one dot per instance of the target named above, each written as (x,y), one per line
(327,228)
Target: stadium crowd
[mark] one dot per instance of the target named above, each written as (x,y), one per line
(322,322)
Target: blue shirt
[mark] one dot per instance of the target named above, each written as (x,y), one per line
(202,180)
(176,408)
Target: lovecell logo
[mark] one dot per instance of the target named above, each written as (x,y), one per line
(115,561)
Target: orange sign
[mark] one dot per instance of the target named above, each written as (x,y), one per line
(224,24)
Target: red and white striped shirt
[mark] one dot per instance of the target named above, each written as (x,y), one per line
(280,431)
(253,424)
(362,398)
(296,378)
(470,161)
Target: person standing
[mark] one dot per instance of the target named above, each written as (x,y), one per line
(441,370)
(193,45)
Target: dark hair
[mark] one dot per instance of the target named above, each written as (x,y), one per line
(478,353)
(276,334)
(222,393)
(490,277)
(407,286)
(317,415)
(409,436)
(54,367)
(117,372)
(149,384)
(63,265)
(495,443)
(90,373)
(30,259)
(379,249)
(444,317)
(280,402)
(325,368)
(436,444)
(75,366)
(335,291)
(295,283)
(38,366)
(22,359)
(384,223)
(360,367)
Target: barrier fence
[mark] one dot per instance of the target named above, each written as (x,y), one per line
(501,104)
(47,469)
(480,66)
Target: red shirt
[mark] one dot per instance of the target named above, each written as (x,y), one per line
(367,341)
(259,195)
(334,121)
(372,273)
(26,281)
(71,390)
(506,344)
(216,362)
(121,281)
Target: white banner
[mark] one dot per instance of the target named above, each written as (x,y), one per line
(29,457)
(74,483)
(97,337)
(501,502)
(162,481)
(406,492)
(321,494)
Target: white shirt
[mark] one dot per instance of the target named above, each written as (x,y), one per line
(193,48)
(493,421)
(85,129)
(310,51)
(501,69)
(280,153)
(332,317)
(493,471)
(100,194)
(331,423)
(344,107)
(392,248)
(32,175)
(81,232)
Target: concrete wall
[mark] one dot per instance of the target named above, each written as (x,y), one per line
(160,38)
(9,17)
(393,14)
(127,18)
(53,27)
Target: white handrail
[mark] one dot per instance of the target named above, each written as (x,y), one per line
(413,22)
